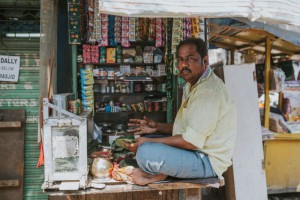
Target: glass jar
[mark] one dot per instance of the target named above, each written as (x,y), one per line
(137,87)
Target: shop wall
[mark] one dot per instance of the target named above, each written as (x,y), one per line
(25,95)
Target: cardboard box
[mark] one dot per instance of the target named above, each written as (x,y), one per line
(111,55)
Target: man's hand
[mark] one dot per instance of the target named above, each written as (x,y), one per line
(143,126)
(134,146)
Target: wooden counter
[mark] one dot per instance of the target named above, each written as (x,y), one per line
(159,191)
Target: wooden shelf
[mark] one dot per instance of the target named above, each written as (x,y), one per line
(132,94)
(112,113)
(118,64)
(10,124)
(129,78)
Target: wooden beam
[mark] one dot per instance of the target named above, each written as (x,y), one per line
(252,30)
(267,82)
(232,56)
(173,186)
(283,50)
(233,38)
(12,124)
(9,183)
(222,45)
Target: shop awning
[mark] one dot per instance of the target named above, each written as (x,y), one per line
(276,11)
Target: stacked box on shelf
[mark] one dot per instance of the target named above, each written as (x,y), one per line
(90,53)
(87,89)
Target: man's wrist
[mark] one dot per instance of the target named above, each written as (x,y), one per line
(157,126)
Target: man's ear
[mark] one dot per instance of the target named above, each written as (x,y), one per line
(205,61)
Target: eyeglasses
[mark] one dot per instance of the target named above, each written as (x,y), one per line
(190,60)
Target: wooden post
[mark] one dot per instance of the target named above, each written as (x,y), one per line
(267,81)
(232,56)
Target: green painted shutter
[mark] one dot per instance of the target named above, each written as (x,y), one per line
(25,95)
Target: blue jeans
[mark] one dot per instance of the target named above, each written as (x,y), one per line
(158,158)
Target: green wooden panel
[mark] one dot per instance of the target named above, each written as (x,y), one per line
(24,86)
(31,62)
(25,95)
(9,94)
(18,94)
(31,78)
(29,73)
(29,69)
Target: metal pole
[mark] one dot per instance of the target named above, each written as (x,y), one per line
(267,81)
(74,69)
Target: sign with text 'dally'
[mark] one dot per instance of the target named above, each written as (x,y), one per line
(9,68)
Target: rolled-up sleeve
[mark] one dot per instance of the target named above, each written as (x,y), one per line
(201,115)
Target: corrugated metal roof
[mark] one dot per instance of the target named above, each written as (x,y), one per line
(25,95)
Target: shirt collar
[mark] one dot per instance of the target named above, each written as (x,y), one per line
(204,76)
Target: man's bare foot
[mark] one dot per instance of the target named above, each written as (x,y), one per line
(140,177)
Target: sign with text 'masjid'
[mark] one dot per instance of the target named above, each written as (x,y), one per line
(9,68)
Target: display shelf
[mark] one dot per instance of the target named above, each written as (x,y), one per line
(125,78)
(132,94)
(123,117)
(129,78)
(118,64)
(128,112)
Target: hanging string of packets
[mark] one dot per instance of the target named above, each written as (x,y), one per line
(177,33)
(111,30)
(104,30)
(91,20)
(125,32)
(169,57)
(117,29)
(202,33)
(187,28)
(97,22)
(160,33)
(131,29)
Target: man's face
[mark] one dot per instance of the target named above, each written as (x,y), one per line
(190,64)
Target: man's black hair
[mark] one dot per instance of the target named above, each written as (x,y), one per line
(199,43)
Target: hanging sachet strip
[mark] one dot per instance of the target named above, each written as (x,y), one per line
(177,33)
(152,27)
(118,30)
(195,27)
(163,31)
(104,30)
(97,22)
(202,29)
(169,57)
(131,29)
(187,27)
(91,33)
(137,29)
(111,30)
(158,34)
(184,28)
(125,32)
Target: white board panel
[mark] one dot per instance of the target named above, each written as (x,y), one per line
(249,177)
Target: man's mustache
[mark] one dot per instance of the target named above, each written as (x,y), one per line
(185,68)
